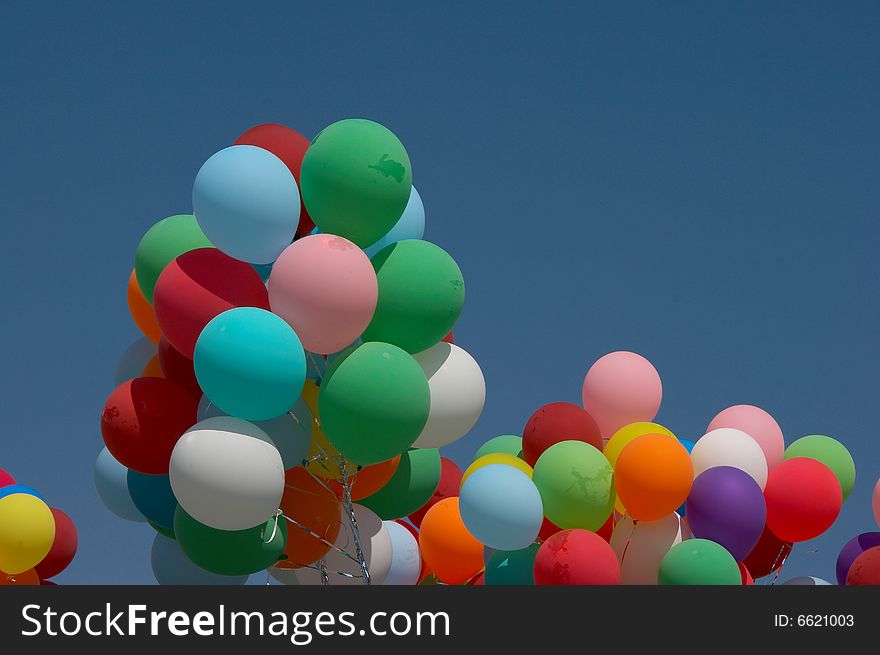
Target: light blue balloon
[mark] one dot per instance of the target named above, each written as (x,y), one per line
(133,361)
(111,483)
(501,507)
(246,201)
(153,497)
(410,225)
(406,561)
(250,364)
(172,567)
(807,580)
(11,489)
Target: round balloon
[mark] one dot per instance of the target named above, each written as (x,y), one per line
(414,482)
(450,551)
(356,180)
(421,294)
(621,388)
(576,557)
(641,545)
(142,311)
(449,485)
(199,285)
(63,548)
(653,476)
(247,203)
(19,489)
(5,479)
(501,507)
(250,364)
(756,423)
(497,458)
(27,531)
(143,419)
(153,497)
(161,245)
(178,368)
(730,447)
(227,474)
(768,554)
(27,578)
(507,444)
(865,571)
(803,499)
(406,562)
(458,392)
(367,480)
(852,549)
(625,435)
(515,567)
(172,567)
(575,483)
(111,483)
(555,422)
(374,403)
(831,453)
(410,225)
(312,510)
(698,562)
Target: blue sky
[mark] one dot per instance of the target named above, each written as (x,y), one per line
(696,182)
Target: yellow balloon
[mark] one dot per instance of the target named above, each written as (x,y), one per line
(310,395)
(328,466)
(27,530)
(497,458)
(623,437)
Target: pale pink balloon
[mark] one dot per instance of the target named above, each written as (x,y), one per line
(756,423)
(621,388)
(875,502)
(325,287)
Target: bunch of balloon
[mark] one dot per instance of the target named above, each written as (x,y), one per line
(37,542)
(297,374)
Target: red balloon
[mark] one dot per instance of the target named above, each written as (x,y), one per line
(557,422)
(747,578)
(290,147)
(767,555)
(478,580)
(576,557)
(196,287)
(450,483)
(63,548)
(803,499)
(143,419)
(865,570)
(5,478)
(449,338)
(178,368)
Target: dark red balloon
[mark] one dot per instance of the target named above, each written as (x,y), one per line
(557,422)
(63,548)
(866,569)
(576,557)
(196,287)
(747,578)
(178,368)
(290,147)
(143,419)
(803,499)
(767,555)
(450,483)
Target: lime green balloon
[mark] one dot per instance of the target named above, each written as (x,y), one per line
(510,444)
(373,403)
(421,293)
(575,483)
(698,562)
(831,453)
(230,552)
(162,244)
(414,482)
(511,567)
(356,180)
(165,532)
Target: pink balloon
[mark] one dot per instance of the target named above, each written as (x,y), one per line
(325,287)
(5,478)
(875,502)
(756,423)
(621,388)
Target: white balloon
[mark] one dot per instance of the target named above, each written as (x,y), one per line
(730,447)
(376,545)
(227,474)
(641,546)
(406,560)
(809,580)
(458,393)
(285,576)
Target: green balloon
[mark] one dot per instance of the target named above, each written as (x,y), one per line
(230,552)
(421,293)
(512,567)
(356,180)
(831,453)
(506,443)
(698,562)
(575,483)
(161,530)
(162,244)
(374,403)
(412,485)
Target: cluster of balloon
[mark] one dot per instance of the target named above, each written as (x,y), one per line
(298,375)
(37,542)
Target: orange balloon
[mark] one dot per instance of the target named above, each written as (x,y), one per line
(153,369)
(142,311)
(653,476)
(449,550)
(27,579)
(311,504)
(369,479)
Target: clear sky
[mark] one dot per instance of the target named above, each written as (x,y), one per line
(697,182)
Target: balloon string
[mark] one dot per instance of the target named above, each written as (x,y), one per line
(322,565)
(628,540)
(352,519)
(321,539)
(781,565)
(274,527)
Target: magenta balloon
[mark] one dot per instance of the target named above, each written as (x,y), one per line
(726,506)
(756,423)
(621,388)
(5,478)
(325,287)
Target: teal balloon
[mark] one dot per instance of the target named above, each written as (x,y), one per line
(510,444)
(250,364)
(411,225)
(111,483)
(172,567)
(516,567)
(152,496)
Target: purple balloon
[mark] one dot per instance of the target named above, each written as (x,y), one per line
(727,506)
(853,548)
